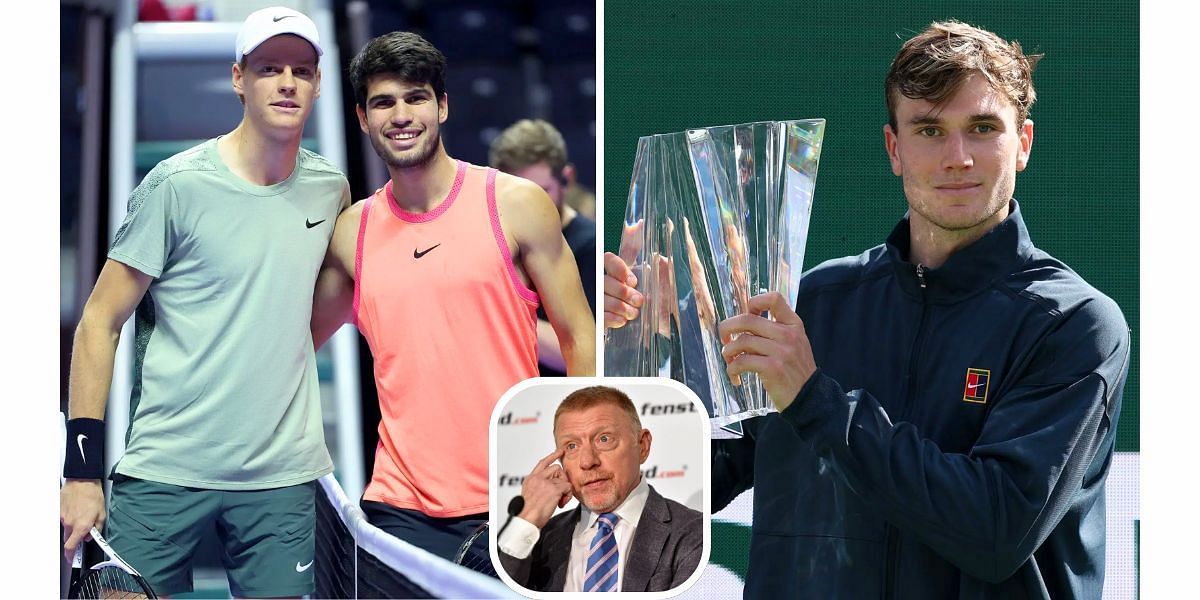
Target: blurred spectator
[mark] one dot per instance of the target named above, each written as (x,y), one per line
(535,150)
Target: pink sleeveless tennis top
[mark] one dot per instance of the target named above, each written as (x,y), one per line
(451,328)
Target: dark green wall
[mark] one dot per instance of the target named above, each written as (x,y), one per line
(670,65)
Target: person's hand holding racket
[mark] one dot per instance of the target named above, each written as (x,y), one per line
(110,578)
(81,507)
(545,489)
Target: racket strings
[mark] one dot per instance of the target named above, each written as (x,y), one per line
(110,582)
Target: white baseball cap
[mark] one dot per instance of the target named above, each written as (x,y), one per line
(267,23)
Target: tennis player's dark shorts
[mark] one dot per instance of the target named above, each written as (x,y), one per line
(439,536)
(267,536)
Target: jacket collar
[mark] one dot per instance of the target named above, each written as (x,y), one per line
(969,270)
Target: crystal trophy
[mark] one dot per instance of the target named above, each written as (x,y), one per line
(714,216)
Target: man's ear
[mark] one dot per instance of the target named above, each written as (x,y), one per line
(891,143)
(1026,137)
(644,442)
(237,77)
(362,117)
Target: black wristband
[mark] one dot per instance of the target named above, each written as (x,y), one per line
(85,449)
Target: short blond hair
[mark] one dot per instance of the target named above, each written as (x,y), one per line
(596,395)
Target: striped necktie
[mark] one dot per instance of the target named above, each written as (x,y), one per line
(601,574)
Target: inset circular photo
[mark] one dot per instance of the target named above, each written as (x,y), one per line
(599,485)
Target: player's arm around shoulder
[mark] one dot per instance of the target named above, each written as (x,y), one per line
(333,298)
(528,215)
(117,293)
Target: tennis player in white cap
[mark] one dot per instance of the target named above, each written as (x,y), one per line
(218,257)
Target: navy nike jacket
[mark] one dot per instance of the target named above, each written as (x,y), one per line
(955,440)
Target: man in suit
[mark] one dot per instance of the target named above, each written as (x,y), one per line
(623,535)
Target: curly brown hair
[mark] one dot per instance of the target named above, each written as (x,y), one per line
(935,63)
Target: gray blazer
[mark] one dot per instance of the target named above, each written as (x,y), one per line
(664,552)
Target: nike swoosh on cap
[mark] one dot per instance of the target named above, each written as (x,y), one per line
(278,19)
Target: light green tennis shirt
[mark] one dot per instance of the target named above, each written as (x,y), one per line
(225,392)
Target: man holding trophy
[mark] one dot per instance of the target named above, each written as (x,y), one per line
(944,404)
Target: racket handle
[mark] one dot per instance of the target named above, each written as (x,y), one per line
(77,562)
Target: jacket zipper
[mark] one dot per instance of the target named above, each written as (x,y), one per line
(891,534)
(915,352)
(889,576)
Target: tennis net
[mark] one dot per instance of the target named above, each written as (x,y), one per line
(358,560)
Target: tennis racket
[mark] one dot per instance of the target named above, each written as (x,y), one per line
(473,553)
(110,578)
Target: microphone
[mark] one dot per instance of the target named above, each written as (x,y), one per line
(515,506)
